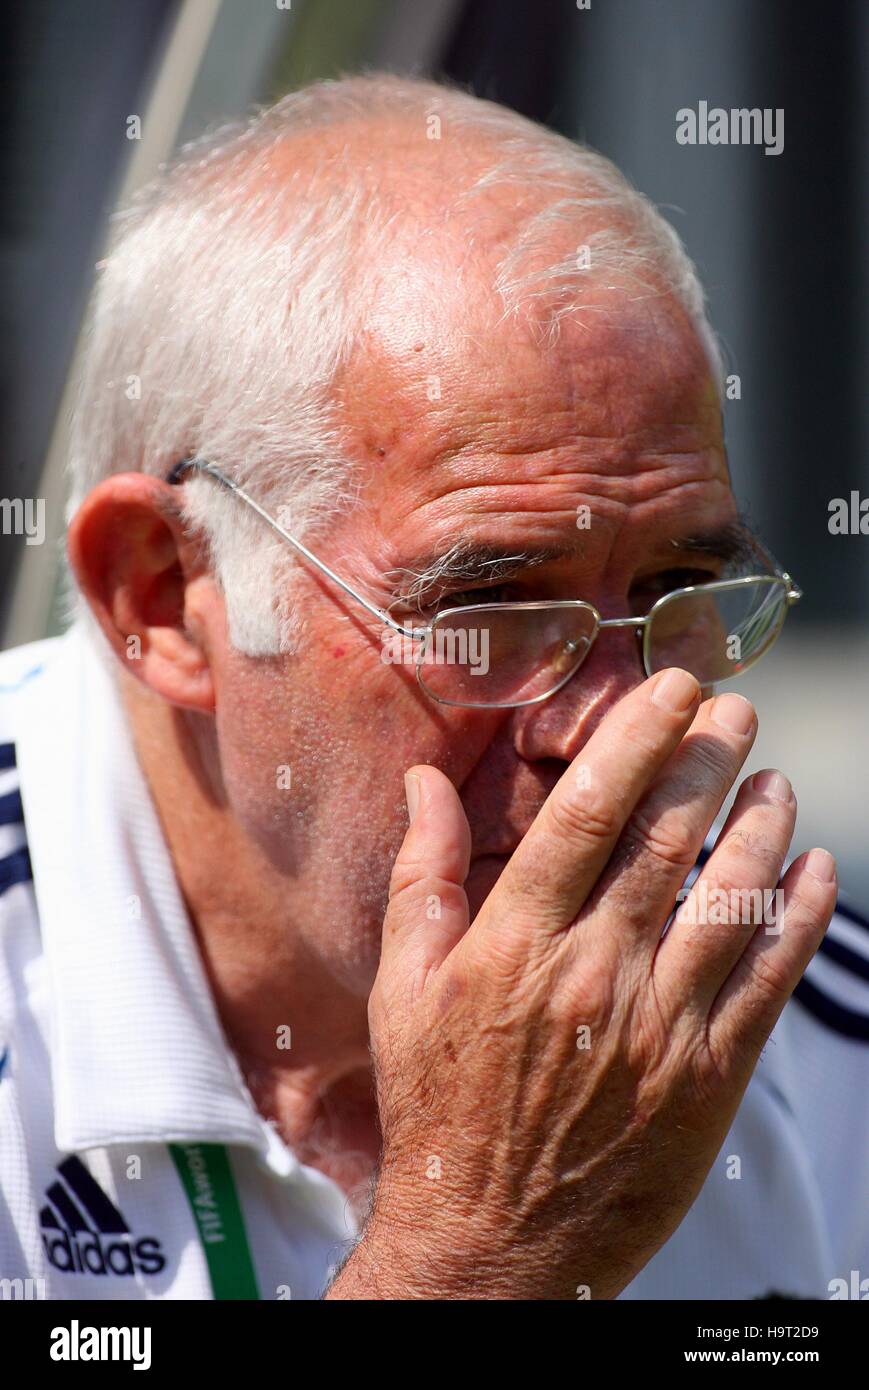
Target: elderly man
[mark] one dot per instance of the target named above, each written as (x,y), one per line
(399,450)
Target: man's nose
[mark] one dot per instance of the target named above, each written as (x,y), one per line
(558,727)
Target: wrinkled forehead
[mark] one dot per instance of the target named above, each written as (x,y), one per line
(445,378)
(496,302)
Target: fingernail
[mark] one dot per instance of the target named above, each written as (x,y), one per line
(411,792)
(821,864)
(675,691)
(733,713)
(772,783)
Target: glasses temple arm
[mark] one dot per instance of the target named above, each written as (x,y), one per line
(202,467)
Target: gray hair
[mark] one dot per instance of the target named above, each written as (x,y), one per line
(233,292)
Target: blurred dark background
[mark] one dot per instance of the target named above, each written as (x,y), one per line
(780,242)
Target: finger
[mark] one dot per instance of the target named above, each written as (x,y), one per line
(428,908)
(731,899)
(666,829)
(554,869)
(748,1005)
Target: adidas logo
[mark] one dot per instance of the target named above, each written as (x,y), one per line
(84,1233)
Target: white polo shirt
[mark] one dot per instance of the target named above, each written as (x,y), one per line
(111,1042)
(133,1163)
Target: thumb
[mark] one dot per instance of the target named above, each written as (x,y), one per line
(428,909)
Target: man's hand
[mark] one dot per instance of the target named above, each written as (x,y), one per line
(556,1079)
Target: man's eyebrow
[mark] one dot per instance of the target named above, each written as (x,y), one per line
(733,541)
(467,562)
(472,562)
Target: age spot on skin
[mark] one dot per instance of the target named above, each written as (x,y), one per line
(451,993)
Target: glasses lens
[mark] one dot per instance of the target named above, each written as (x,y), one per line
(716,633)
(498,655)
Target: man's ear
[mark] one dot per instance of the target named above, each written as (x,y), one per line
(147,585)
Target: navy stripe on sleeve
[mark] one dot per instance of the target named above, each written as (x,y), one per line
(11,810)
(7,756)
(15,868)
(835,1016)
(844,956)
(851,914)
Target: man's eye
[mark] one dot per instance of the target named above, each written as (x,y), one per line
(428,607)
(656,585)
(467,598)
